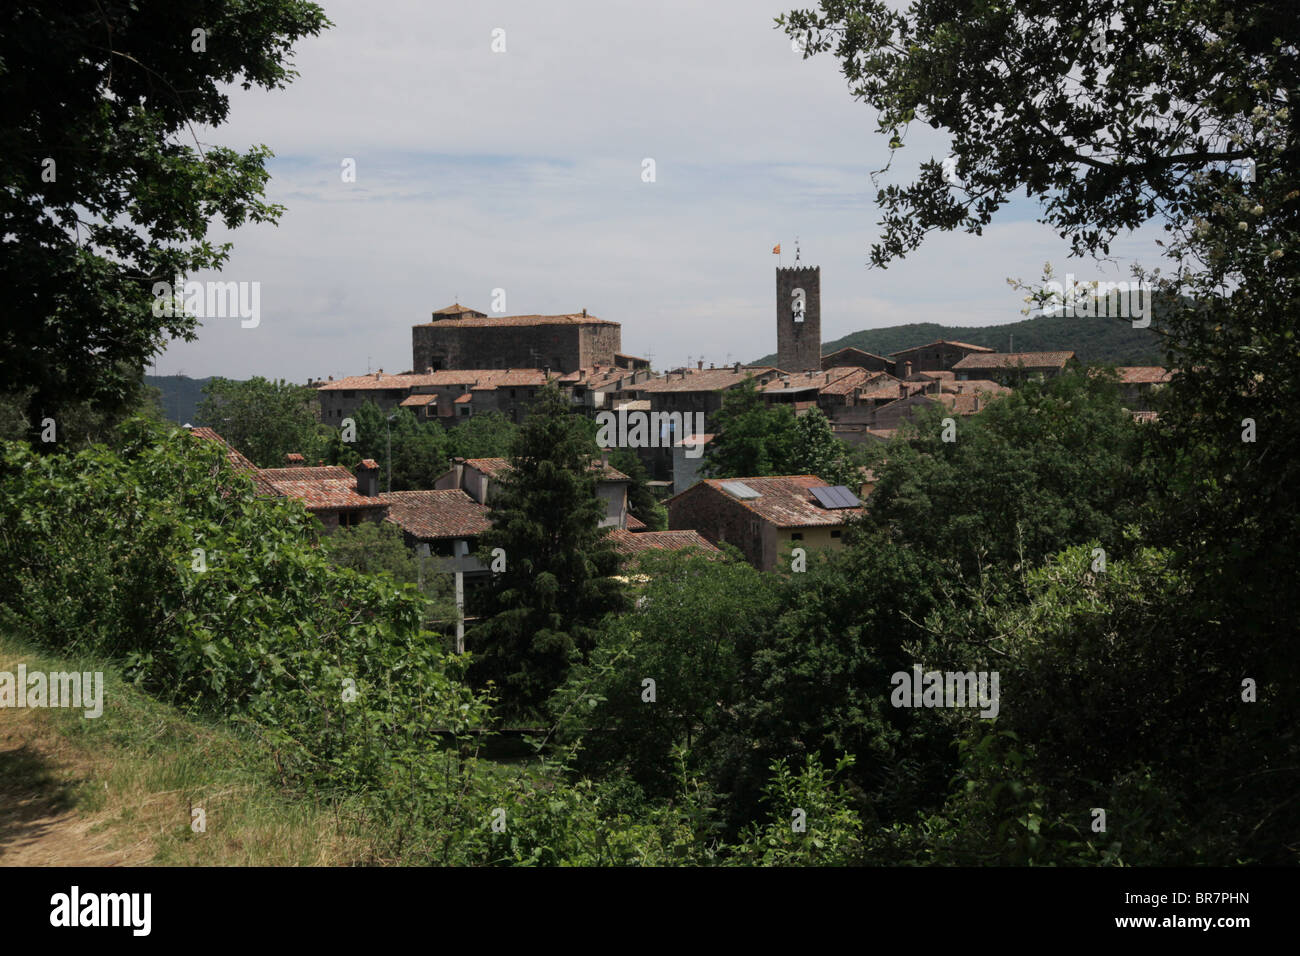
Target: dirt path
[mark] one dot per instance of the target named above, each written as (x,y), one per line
(41,777)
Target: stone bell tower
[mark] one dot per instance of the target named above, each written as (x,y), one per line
(799,318)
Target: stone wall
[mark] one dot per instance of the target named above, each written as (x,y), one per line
(799,344)
(562,348)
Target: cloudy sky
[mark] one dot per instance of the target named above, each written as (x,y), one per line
(522,170)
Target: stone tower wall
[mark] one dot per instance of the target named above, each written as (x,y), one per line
(799,344)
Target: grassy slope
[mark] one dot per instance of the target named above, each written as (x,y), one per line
(118,789)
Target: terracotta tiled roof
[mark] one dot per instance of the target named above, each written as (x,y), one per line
(634,523)
(629,544)
(464,399)
(841,380)
(701,380)
(492,467)
(1144,374)
(1145,416)
(891,390)
(850,351)
(963,404)
(457,309)
(515,321)
(261,487)
(496,467)
(309,473)
(437,514)
(930,345)
(785,501)
(847,382)
(973,385)
(325,488)
(418,401)
(597,377)
(942,375)
(479,379)
(376,382)
(997,360)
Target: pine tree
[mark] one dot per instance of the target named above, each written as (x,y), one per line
(558,581)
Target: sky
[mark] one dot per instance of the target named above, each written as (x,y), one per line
(522,171)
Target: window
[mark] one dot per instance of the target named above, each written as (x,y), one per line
(464,412)
(835,534)
(796,536)
(349,394)
(348,519)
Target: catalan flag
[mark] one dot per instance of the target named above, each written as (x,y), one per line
(776,249)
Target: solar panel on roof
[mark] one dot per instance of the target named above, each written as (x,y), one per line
(850,499)
(835,496)
(738,489)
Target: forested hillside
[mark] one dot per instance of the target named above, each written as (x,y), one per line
(1093,340)
(180,395)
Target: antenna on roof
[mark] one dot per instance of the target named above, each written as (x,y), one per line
(796,250)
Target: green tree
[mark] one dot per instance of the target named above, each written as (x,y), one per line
(1051,465)
(485,435)
(372,547)
(696,622)
(419,449)
(753,438)
(105,191)
(559,581)
(1182,117)
(265,420)
(816,451)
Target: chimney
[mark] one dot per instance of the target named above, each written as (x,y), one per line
(293,458)
(907,370)
(584,311)
(700,365)
(902,390)
(737,366)
(368,478)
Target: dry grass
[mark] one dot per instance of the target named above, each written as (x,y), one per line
(118,790)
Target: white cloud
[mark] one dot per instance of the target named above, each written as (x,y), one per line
(522,170)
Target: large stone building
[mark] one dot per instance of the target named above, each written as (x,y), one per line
(458,337)
(799,319)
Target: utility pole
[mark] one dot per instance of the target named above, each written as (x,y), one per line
(388,427)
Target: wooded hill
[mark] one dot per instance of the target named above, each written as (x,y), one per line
(1092,340)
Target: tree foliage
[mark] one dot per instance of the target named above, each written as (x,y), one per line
(559,581)
(265,420)
(106,190)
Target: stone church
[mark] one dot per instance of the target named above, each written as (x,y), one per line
(459,338)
